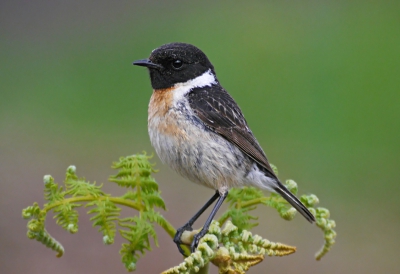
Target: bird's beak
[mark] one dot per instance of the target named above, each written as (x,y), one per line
(147,63)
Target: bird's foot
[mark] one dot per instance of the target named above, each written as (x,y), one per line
(196,239)
(178,235)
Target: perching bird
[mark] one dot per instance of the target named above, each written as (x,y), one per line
(198,130)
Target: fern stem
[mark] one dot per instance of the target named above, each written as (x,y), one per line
(223,219)
(115,200)
(254,202)
(171,231)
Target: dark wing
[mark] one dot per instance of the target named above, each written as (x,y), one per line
(217,109)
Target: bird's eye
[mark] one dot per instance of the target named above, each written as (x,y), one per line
(177,64)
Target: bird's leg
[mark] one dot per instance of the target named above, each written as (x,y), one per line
(204,230)
(188,225)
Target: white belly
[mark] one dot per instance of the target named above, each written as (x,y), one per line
(197,153)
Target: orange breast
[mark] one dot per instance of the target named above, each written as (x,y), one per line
(161,101)
(162,116)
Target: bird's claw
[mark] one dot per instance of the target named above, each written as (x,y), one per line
(196,240)
(178,235)
(195,243)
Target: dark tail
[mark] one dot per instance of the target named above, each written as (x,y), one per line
(288,196)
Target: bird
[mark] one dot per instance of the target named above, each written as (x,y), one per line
(199,131)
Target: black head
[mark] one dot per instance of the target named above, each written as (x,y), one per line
(175,63)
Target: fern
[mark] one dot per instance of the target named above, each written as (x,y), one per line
(323,222)
(239,250)
(137,234)
(229,244)
(242,201)
(107,214)
(67,216)
(52,192)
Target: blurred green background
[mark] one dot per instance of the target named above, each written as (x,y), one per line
(318,82)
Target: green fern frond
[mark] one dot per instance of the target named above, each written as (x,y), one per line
(244,200)
(233,249)
(285,210)
(79,187)
(134,171)
(153,199)
(149,184)
(154,217)
(45,238)
(52,192)
(292,186)
(31,211)
(137,160)
(133,181)
(240,203)
(127,168)
(230,249)
(36,228)
(240,217)
(130,195)
(245,194)
(35,225)
(127,181)
(67,217)
(107,214)
(323,222)
(137,236)
(138,233)
(243,241)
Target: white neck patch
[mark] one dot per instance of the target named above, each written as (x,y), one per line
(207,79)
